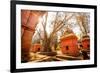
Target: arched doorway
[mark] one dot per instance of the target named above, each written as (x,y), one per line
(29,20)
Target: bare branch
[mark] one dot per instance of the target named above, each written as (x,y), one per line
(44,23)
(56,18)
(60,25)
(39,34)
(81,19)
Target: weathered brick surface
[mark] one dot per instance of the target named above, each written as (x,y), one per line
(69,45)
(29,20)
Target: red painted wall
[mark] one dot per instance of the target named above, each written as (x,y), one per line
(71,42)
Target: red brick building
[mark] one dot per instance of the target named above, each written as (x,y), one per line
(86,43)
(69,45)
(36,48)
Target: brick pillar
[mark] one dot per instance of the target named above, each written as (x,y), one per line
(29,20)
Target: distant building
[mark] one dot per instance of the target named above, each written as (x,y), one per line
(36,48)
(86,43)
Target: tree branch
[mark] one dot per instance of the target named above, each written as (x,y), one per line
(60,25)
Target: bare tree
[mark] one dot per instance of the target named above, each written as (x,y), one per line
(83,21)
(51,41)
